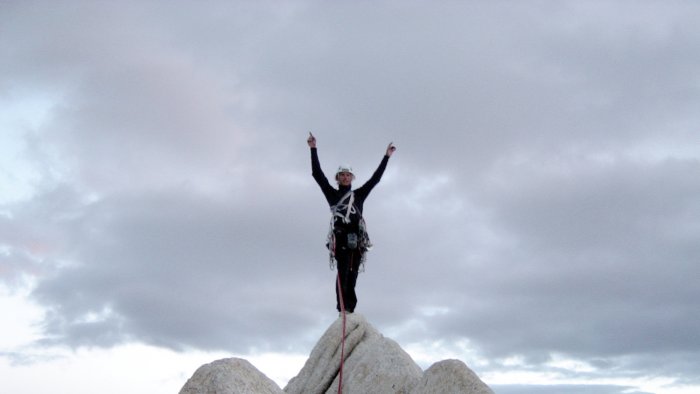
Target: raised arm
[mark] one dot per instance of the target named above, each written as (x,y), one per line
(315,163)
(377,175)
(316,170)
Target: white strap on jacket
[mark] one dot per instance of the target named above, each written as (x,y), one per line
(343,206)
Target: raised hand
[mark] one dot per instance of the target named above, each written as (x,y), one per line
(390,149)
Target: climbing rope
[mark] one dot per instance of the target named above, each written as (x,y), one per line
(342,341)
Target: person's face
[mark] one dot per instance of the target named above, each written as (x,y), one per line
(344,178)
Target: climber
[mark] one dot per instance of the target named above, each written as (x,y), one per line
(348,241)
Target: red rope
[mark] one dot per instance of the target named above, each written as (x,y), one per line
(342,346)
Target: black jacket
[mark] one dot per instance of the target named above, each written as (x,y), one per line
(334,195)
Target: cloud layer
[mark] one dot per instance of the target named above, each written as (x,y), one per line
(542,203)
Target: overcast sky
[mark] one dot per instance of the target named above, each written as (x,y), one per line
(539,220)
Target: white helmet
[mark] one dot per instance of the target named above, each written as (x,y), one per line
(344,168)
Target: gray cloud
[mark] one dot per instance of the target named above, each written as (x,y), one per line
(542,200)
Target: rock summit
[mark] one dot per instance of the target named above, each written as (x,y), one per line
(372,364)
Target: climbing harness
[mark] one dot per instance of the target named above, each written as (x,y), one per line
(342,212)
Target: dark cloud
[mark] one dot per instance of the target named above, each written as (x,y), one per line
(176,269)
(542,200)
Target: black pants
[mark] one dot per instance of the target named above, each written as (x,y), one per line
(348,267)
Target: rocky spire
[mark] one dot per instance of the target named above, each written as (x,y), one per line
(373,364)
